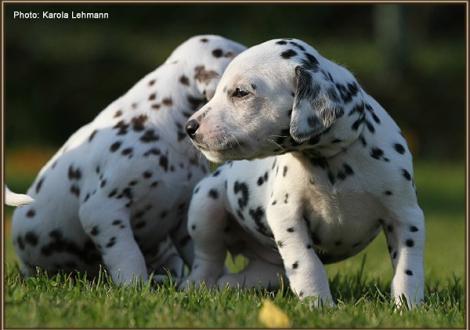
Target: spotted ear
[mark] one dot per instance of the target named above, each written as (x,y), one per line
(315,106)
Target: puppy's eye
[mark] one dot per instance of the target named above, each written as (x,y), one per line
(239,93)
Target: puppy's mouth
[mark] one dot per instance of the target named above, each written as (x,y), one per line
(221,147)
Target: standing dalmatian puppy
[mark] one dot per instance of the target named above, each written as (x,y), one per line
(116,194)
(327,169)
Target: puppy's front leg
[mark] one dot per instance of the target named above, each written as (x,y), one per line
(305,271)
(107,224)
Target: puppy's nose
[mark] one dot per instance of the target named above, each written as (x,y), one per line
(191,128)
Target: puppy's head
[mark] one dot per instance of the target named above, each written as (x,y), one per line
(205,58)
(276,97)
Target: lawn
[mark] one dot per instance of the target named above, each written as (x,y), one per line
(360,284)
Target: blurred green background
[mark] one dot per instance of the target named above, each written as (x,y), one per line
(411,58)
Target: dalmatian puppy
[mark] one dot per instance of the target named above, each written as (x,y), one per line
(116,194)
(326,169)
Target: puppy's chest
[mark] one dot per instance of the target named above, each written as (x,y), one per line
(341,224)
(340,216)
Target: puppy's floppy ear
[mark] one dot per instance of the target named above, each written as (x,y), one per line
(315,106)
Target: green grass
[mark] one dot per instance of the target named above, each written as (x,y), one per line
(362,292)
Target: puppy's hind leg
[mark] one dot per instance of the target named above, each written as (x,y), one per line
(207,219)
(405,232)
(107,222)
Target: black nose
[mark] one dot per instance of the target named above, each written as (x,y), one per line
(191,127)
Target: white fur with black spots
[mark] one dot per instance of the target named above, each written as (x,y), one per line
(326,168)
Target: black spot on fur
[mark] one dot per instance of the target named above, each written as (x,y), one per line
(310,63)
(138,123)
(293,43)
(406,174)
(39,185)
(164,162)
(240,187)
(149,136)
(121,127)
(284,171)
(399,148)
(184,80)
(94,231)
(281,42)
(410,243)
(217,52)
(74,174)
(112,193)
(75,190)
(288,53)
(31,238)
(257,215)
(111,242)
(152,151)
(126,151)
(92,135)
(213,194)
(115,146)
(376,153)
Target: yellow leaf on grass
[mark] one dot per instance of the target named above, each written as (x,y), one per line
(272,316)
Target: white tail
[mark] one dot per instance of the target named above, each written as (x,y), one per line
(14,199)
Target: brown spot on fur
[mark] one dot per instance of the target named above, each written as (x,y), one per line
(167,101)
(203,75)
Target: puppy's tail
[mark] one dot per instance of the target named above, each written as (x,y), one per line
(13,199)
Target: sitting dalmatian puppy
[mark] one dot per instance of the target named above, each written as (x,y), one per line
(116,194)
(326,169)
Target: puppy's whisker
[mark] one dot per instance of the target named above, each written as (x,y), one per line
(276,144)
